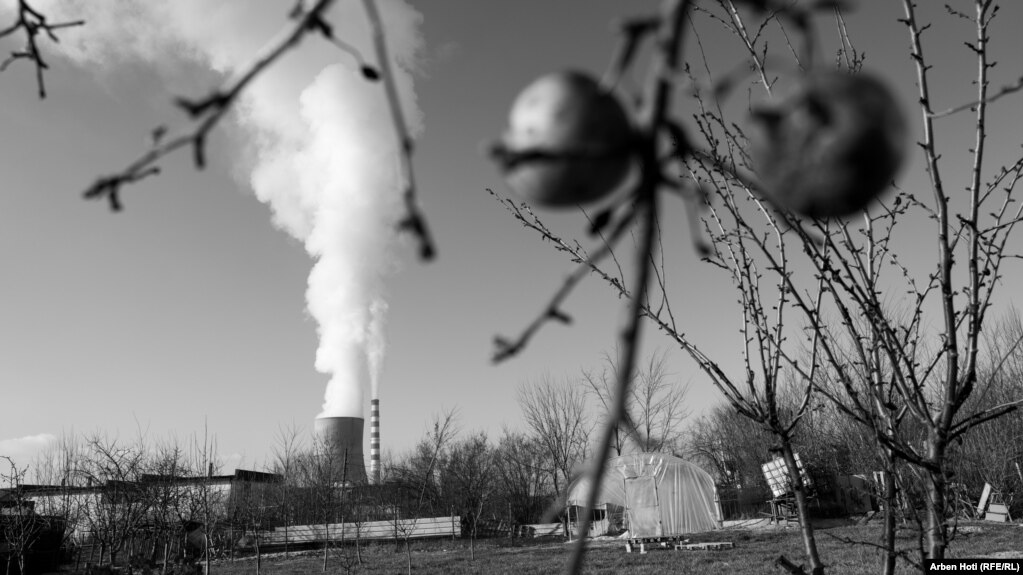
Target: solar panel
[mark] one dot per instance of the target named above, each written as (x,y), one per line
(777,474)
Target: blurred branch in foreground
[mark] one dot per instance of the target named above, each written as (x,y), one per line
(33,22)
(205,113)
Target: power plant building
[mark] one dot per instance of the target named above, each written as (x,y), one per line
(340,438)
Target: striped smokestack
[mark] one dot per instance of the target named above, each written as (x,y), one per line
(374,441)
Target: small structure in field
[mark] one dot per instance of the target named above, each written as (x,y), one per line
(783,500)
(994,505)
(650,495)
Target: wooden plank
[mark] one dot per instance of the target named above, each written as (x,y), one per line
(982,504)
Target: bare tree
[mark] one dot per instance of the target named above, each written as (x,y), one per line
(114,513)
(556,414)
(324,474)
(164,487)
(418,479)
(286,457)
(523,479)
(732,445)
(59,467)
(914,375)
(656,407)
(20,526)
(251,507)
(470,470)
(993,453)
(206,498)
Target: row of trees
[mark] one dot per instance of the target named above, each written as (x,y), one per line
(733,447)
(562,415)
(118,497)
(165,501)
(157,500)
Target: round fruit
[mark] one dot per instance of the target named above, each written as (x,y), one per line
(830,147)
(568,141)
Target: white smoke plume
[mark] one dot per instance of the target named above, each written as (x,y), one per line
(324,155)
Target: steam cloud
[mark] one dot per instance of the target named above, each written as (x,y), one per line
(324,155)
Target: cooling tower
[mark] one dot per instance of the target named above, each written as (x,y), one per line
(342,437)
(374,441)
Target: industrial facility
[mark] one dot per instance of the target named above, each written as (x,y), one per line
(339,439)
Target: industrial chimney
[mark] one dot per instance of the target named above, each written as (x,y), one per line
(374,441)
(342,437)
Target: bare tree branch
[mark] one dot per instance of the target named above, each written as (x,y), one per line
(504,348)
(414,221)
(33,22)
(207,112)
(1004,91)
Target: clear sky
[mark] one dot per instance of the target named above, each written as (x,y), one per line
(189,308)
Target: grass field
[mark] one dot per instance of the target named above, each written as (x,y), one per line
(754,554)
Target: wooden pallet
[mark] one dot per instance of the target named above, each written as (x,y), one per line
(710,546)
(677,542)
(661,541)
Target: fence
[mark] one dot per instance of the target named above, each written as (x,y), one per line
(486,528)
(371,530)
(743,503)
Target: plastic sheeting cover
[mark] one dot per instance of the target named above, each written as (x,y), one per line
(663,495)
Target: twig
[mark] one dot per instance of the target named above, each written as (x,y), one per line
(33,21)
(1004,91)
(504,348)
(413,221)
(904,554)
(740,30)
(209,111)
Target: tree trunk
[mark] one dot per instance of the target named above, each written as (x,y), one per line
(209,546)
(805,526)
(408,556)
(358,541)
(166,554)
(890,499)
(326,543)
(937,534)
